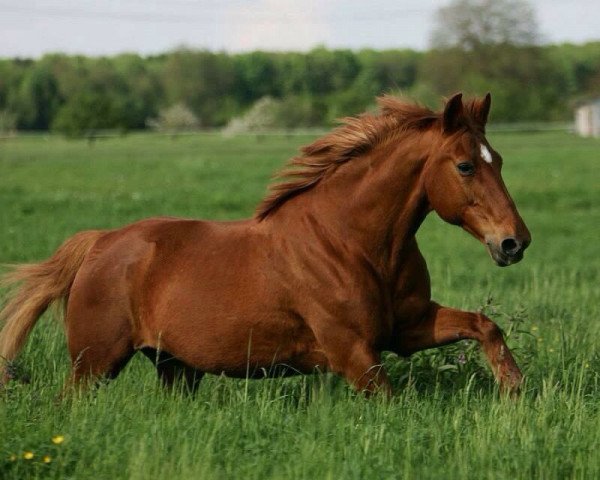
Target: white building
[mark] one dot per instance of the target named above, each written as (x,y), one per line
(587,119)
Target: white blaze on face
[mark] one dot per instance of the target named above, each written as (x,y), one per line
(485,154)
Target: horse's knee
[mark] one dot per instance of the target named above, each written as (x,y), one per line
(362,367)
(490,332)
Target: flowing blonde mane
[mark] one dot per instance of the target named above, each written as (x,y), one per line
(356,136)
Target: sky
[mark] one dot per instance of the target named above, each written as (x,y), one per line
(31,28)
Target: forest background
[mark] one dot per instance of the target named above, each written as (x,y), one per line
(188,88)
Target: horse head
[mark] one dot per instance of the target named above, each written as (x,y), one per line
(464,185)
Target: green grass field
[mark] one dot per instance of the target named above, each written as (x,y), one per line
(446,420)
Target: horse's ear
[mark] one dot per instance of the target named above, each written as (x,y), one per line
(453,114)
(482,110)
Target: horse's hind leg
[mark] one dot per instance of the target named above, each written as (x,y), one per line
(98,349)
(171,370)
(94,363)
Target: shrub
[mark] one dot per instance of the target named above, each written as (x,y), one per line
(271,114)
(263,115)
(175,118)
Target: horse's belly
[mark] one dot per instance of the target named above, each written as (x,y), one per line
(238,343)
(250,356)
(310,362)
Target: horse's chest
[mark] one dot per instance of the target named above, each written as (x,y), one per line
(412,291)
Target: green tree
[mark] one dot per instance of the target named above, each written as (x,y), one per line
(481,45)
(141,85)
(103,101)
(330,70)
(256,76)
(202,80)
(290,74)
(38,98)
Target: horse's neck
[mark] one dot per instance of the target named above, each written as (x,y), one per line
(376,201)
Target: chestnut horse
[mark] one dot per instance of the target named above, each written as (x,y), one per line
(326,276)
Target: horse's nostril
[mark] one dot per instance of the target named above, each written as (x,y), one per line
(510,246)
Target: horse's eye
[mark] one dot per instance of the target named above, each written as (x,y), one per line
(466,168)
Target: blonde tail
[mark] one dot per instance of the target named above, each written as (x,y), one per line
(41,284)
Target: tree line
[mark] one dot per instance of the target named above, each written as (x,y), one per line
(78,94)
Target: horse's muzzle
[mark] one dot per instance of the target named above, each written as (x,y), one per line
(508,251)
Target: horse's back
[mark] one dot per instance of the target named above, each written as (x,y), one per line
(148,258)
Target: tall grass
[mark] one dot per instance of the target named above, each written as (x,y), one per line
(446,420)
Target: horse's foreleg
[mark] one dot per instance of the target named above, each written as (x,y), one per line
(360,365)
(444,325)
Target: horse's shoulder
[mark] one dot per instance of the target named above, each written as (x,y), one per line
(413,278)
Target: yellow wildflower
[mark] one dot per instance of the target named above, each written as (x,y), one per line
(47,459)
(12,457)
(28,455)
(58,439)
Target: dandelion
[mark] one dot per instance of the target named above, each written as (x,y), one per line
(13,457)
(58,439)
(47,459)
(28,455)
